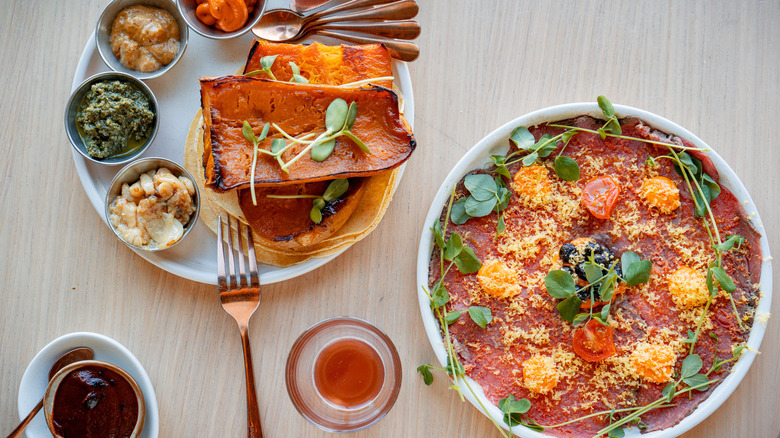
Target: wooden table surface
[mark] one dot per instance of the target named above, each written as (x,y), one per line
(711,66)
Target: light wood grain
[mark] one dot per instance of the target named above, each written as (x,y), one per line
(711,66)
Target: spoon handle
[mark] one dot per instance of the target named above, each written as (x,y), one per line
(20,429)
(400,50)
(352,4)
(405,30)
(402,10)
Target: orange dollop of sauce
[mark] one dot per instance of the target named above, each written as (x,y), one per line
(225,15)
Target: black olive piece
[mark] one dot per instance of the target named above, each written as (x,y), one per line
(580,270)
(584,293)
(568,253)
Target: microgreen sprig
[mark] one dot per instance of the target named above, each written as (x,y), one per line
(486,195)
(250,135)
(335,189)
(565,167)
(266,62)
(296,76)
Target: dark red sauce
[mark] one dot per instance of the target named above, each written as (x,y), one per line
(93,402)
(348,372)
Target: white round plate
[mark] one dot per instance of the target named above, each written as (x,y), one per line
(497,142)
(178,94)
(35,378)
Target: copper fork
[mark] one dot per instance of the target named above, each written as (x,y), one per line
(240,297)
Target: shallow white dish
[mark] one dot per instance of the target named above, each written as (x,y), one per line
(178,95)
(497,142)
(35,378)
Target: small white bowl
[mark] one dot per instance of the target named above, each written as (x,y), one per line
(187,10)
(497,142)
(103,35)
(35,378)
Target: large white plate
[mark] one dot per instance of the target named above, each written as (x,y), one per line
(178,94)
(497,142)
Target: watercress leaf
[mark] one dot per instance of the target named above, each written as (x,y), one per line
(606,106)
(560,284)
(617,433)
(440,296)
(501,225)
(696,380)
(335,189)
(638,273)
(481,186)
(425,370)
(650,161)
(249,135)
(711,284)
(264,132)
(351,114)
(607,287)
(628,257)
(503,199)
(336,115)
(686,161)
(713,335)
(467,262)
(453,247)
(730,242)
(543,141)
(530,159)
(315,214)
(691,337)
(454,367)
(321,151)
(569,308)
(602,133)
(605,313)
(480,315)
(669,391)
(702,200)
(509,405)
(738,351)
(438,235)
(522,137)
(458,214)
(498,160)
(547,149)
(592,272)
(566,168)
(277,145)
(363,147)
(613,126)
(580,318)
(475,208)
(503,171)
(267,61)
(568,135)
(690,366)
(451,317)
(723,279)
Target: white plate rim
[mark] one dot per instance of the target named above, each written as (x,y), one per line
(497,143)
(106,349)
(164,259)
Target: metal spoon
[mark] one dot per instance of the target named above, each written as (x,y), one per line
(301,6)
(281,25)
(402,29)
(72,356)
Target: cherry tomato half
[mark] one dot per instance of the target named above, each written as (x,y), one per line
(594,342)
(600,196)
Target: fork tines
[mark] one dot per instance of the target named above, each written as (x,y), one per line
(232,279)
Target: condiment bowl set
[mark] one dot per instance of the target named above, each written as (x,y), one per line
(73,107)
(131,173)
(103,35)
(187,10)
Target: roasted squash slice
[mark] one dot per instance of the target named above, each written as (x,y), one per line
(321,64)
(298,109)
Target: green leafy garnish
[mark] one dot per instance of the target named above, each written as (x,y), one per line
(335,189)
(250,136)
(487,195)
(266,62)
(425,370)
(296,76)
(480,315)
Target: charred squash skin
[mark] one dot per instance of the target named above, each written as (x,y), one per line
(298,109)
(321,64)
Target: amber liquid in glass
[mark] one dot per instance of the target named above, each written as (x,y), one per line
(348,372)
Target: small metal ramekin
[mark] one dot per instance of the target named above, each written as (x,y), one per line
(103,35)
(132,173)
(187,10)
(78,96)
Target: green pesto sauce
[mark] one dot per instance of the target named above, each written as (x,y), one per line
(114,119)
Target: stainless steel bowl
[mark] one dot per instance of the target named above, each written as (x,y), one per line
(187,10)
(78,96)
(130,174)
(103,35)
